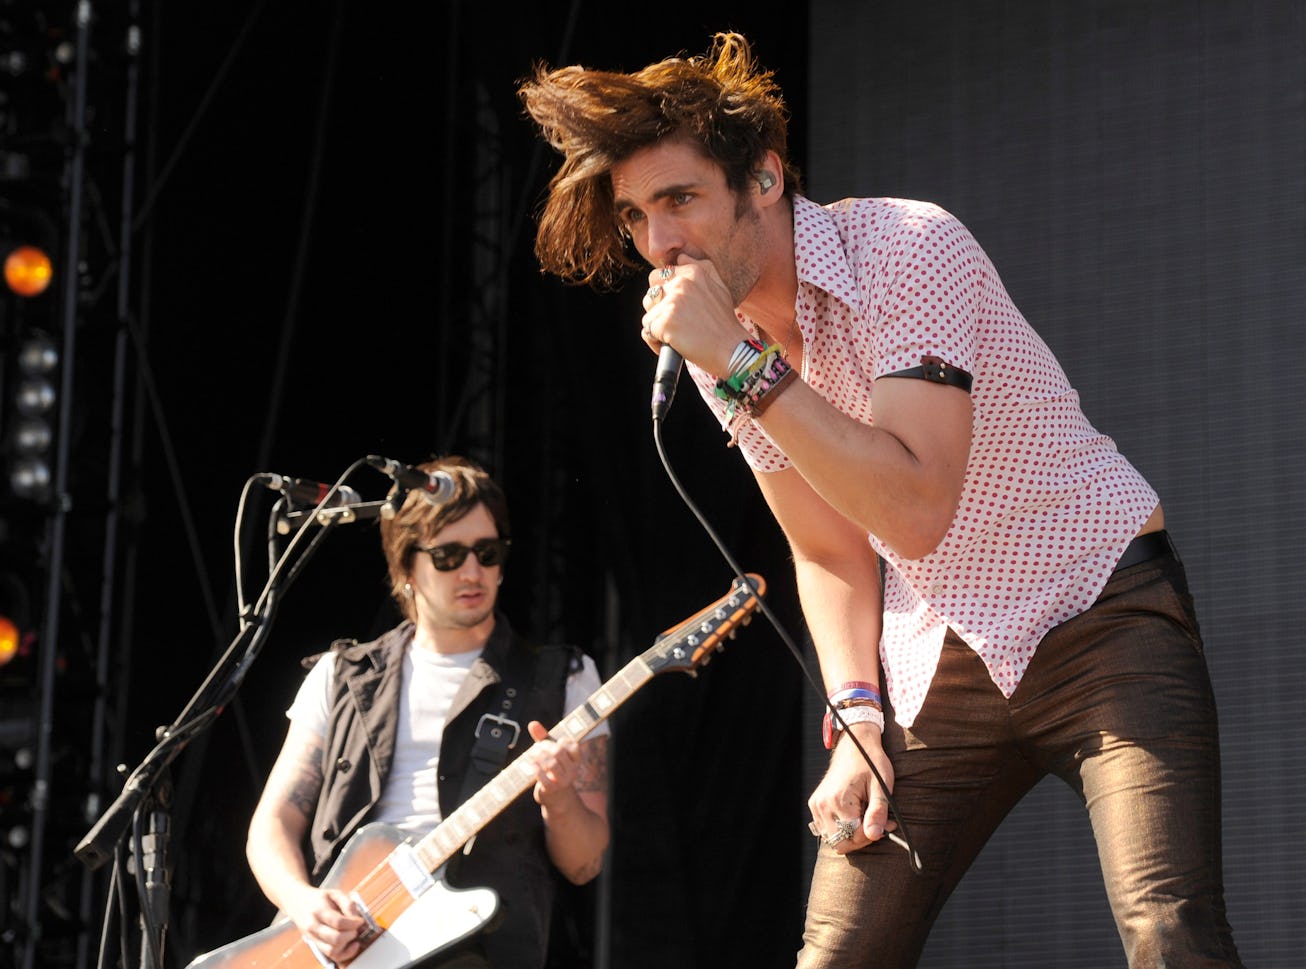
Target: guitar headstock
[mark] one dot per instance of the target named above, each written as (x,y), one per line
(691,644)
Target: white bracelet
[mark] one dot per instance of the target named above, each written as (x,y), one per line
(861,714)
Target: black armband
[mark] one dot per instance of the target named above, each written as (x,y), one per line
(936,371)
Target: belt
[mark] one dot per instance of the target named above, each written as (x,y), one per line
(1146,547)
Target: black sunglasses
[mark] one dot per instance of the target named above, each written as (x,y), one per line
(488,551)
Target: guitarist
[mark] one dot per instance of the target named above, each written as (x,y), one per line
(406,728)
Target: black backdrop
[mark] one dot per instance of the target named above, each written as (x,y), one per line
(310,298)
(308,294)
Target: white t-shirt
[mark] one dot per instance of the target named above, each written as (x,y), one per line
(410,800)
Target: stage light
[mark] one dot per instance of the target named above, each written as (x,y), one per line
(13,616)
(35,396)
(9,637)
(29,478)
(30,433)
(38,354)
(28,270)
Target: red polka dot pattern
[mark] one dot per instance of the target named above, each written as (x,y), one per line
(1048,504)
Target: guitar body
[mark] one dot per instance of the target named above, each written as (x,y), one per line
(437,919)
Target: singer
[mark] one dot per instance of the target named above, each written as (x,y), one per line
(405,728)
(895,406)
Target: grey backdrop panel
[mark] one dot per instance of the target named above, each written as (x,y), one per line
(1137,172)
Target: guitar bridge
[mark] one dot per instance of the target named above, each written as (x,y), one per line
(373,927)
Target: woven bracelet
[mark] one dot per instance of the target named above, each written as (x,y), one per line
(858,714)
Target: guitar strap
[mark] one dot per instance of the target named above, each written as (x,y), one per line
(498,731)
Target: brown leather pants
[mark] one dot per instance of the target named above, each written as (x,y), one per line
(1117,702)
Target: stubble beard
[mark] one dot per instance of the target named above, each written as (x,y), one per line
(737,269)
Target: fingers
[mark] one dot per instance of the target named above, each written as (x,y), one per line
(653,296)
(339,913)
(850,809)
(840,822)
(876,820)
(556,763)
(335,927)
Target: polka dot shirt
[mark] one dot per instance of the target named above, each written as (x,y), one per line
(1048,502)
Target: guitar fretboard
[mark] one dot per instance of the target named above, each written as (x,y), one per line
(478,810)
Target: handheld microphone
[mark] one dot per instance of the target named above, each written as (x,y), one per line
(301,491)
(664,379)
(437,486)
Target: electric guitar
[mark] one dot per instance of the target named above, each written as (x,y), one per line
(396,885)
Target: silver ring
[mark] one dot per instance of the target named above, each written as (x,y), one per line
(844,831)
(654,294)
(666,272)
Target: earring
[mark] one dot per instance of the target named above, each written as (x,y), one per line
(764,181)
(408,590)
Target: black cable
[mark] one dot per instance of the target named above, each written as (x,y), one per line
(213,693)
(150,928)
(111,895)
(904,841)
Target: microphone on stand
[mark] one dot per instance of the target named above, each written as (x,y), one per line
(436,486)
(665,377)
(301,491)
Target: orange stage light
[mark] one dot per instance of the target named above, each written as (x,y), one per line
(28,271)
(8,640)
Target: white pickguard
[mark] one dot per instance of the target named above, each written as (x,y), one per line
(437,918)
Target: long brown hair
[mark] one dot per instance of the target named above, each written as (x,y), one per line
(723,102)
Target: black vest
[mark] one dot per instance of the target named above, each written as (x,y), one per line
(509,853)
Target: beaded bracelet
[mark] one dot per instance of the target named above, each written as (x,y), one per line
(749,357)
(769,391)
(748,390)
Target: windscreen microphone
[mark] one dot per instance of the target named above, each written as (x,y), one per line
(664,379)
(437,486)
(301,491)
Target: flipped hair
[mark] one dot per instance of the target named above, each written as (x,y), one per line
(723,103)
(419,519)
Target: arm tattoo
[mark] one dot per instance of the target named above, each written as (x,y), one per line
(302,787)
(593,773)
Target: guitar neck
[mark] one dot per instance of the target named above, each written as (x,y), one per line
(483,806)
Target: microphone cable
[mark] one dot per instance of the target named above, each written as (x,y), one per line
(663,392)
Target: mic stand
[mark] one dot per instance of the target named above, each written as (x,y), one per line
(150,866)
(97,846)
(292,521)
(147,792)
